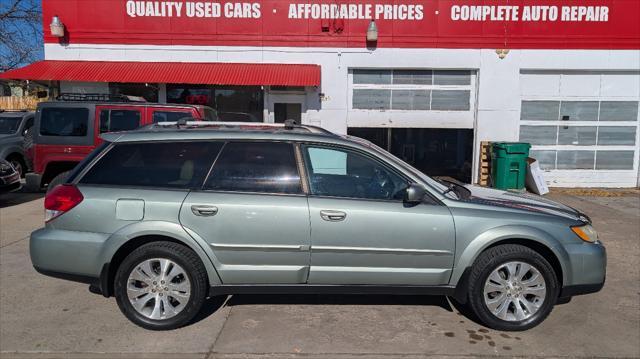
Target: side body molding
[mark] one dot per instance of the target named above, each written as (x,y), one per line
(167,229)
(472,247)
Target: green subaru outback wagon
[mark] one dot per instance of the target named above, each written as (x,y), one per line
(164,217)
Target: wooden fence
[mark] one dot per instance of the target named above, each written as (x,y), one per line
(19,103)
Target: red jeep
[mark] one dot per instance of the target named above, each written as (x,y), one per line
(66,131)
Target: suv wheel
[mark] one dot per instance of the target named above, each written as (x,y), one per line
(161,285)
(512,287)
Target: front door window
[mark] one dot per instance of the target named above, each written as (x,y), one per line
(346,174)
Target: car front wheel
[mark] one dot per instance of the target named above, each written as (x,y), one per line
(161,285)
(512,288)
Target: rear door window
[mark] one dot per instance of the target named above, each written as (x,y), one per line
(114,120)
(64,122)
(156,164)
(170,116)
(263,167)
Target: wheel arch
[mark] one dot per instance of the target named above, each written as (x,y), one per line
(131,237)
(532,238)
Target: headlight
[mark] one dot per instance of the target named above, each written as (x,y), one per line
(586,233)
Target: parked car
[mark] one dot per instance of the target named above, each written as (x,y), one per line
(66,131)
(9,177)
(13,126)
(165,217)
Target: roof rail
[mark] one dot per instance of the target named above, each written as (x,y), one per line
(98,97)
(191,123)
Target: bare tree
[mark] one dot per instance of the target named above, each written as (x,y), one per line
(20,33)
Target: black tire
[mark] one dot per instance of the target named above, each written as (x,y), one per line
(182,256)
(490,260)
(59,179)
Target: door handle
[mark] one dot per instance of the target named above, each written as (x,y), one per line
(333,216)
(204,211)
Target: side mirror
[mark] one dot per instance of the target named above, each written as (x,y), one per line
(414,194)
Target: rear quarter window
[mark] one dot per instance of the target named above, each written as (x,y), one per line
(64,122)
(160,165)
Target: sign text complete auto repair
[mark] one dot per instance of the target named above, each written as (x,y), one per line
(529,13)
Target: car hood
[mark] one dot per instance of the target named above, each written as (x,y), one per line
(522,201)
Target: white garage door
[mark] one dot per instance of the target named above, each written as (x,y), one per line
(583,126)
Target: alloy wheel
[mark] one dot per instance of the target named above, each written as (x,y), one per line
(17,166)
(158,288)
(514,291)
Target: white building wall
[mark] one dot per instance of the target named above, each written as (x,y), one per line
(498,82)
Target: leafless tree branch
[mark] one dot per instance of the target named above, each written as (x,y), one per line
(20,33)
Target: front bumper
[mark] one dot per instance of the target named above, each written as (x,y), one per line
(588,266)
(10,182)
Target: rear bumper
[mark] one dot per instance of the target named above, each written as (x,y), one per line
(69,252)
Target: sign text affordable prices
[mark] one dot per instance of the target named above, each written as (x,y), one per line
(252,10)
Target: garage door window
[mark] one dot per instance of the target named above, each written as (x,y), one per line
(587,135)
(411,90)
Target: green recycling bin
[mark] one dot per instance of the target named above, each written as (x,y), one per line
(509,164)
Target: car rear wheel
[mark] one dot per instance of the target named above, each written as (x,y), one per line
(161,285)
(512,287)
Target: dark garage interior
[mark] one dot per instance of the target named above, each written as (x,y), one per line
(436,152)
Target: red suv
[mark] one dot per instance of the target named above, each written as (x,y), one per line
(66,131)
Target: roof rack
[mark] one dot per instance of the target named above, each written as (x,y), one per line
(98,97)
(192,123)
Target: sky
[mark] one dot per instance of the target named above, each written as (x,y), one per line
(20,36)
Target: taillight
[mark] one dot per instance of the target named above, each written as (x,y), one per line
(60,200)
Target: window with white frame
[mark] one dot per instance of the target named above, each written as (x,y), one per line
(581,135)
(411,90)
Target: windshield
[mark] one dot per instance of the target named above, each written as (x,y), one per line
(430,181)
(9,124)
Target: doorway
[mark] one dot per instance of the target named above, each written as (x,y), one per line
(434,151)
(286,105)
(287,111)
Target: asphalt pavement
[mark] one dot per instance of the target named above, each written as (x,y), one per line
(42,317)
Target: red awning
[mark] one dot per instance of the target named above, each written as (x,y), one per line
(169,72)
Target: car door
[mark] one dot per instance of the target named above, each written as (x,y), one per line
(361,230)
(253,213)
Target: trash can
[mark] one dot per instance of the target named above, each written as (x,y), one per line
(509,164)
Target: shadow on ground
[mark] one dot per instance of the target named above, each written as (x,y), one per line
(335,299)
(19,197)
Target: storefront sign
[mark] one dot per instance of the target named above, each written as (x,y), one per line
(584,24)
